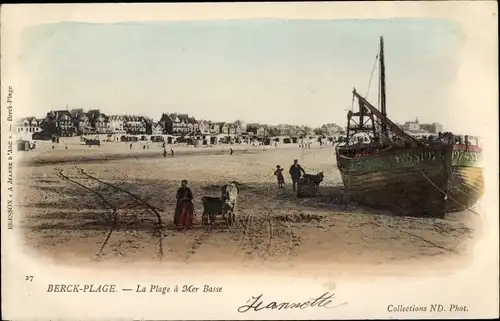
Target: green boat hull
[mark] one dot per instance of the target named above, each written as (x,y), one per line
(415,182)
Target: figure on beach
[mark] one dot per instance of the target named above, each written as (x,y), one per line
(296,172)
(279,175)
(230,151)
(171,152)
(164,153)
(183,216)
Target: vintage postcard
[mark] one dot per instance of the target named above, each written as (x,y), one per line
(250,161)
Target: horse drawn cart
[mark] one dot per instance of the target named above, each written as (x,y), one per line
(91,142)
(308,185)
(216,206)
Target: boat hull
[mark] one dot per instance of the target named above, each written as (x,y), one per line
(466,185)
(402,181)
(415,182)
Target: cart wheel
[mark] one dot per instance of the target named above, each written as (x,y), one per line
(229,219)
(204,219)
(300,190)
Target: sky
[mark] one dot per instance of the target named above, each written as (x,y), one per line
(258,70)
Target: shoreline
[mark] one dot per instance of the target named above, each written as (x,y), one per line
(117,152)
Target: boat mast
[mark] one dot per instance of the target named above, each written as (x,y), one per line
(382,86)
(385,121)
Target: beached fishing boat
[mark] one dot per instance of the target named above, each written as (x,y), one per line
(383,166)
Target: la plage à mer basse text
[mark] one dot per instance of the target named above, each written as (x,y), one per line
(183,288)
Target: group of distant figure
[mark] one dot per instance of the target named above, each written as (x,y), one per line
(303,144)
(397,142)
(295,172)
(183,215)
(447,138)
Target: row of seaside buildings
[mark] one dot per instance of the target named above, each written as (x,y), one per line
(76,122)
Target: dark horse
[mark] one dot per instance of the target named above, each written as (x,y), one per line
(185,214)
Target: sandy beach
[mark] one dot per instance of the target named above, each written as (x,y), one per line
(73,217)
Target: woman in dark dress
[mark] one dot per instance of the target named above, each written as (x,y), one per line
(183,194)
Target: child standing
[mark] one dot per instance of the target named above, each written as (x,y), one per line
(279,174)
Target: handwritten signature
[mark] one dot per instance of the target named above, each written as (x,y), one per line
(326,300)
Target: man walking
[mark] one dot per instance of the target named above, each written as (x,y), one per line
(296,172)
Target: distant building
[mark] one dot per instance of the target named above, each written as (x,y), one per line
(192,125)
(117,124)
(319,131)
(284,129)
(185,125)
(180,124)
(203,127)
(81,122)
(176,124)
(157,129)
(306,130)
(330,129)
(135,125)
(300,132)
(214,128)
(293,131)
(167,123)
(59,122)
(239,127)
(99,122)
(263,131)
(274,131)
(412,126)
(252,128)
(433,128)
(148,125)
(28,125)
(226,128)
(436,128)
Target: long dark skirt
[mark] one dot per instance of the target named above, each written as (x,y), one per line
(177,214)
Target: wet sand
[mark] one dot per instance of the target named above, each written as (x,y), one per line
(71,224)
